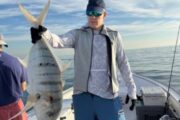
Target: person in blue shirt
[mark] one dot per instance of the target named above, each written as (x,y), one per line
(13,78)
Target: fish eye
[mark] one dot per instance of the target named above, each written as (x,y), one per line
(51,99)
(38,96)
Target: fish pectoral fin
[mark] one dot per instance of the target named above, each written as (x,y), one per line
(66,66)
(31,101)
(23,62)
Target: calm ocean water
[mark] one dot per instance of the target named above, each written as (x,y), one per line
(154,63)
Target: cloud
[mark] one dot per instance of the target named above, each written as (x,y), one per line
(137,8)
(141,8)
(2,2)
(133,18)
(10,12)
(140,28)
(61,6)
(7,2)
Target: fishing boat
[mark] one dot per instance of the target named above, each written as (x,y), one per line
(155,100)
(152,103)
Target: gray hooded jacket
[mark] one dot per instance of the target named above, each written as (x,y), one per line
(81,41)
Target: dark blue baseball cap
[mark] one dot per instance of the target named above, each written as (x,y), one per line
(96,5)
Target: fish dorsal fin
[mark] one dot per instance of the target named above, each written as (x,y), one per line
(33,20)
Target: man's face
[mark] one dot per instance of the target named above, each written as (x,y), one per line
(95,21)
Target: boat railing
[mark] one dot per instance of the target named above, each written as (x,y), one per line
(172,91)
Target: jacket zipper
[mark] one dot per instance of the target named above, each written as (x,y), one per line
(91,58)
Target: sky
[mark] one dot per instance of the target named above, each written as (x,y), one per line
(142,23)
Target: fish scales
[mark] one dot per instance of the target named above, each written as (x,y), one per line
(44,75)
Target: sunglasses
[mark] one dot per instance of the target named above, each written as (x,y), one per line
(93,13)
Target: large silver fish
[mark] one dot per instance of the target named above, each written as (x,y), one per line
(45,86)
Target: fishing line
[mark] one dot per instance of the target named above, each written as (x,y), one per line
(169,85)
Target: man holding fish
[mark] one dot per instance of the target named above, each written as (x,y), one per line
(98,53)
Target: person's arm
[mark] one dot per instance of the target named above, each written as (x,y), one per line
(66,40)
(23,85)
(124,68)
(24,78)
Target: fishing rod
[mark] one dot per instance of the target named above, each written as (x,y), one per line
(172,66)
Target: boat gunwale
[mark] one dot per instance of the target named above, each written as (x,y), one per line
(173,92)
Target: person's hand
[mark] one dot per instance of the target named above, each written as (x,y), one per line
(132,104)
(36,33)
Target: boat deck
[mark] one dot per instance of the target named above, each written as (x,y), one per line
(68,114)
